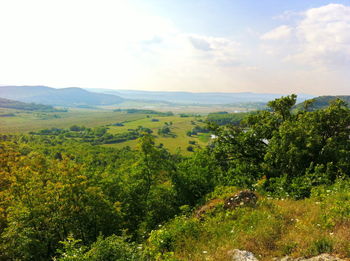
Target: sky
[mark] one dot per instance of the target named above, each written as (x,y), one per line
(270,46)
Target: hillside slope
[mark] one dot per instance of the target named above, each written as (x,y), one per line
(323,101)
(11,104)
(270,228)
(61,97)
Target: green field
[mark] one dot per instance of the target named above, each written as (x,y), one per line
(25,121)
(179,127)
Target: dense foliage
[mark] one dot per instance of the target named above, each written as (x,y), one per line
(63,197)
(224,118)
(292,152)
(96,136)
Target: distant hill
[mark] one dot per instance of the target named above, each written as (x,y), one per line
(11,104)
(59,97)
(198,98)
(323,101)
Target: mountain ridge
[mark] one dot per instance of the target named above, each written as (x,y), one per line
(182,97)
(71,96)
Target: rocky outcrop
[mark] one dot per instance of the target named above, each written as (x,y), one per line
(241,255)
(242,198)
(323,257)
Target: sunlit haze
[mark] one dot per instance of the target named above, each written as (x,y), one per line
(184,45)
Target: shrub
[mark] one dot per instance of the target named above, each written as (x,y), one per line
(322,245)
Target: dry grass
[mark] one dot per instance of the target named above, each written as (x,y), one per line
(275,228)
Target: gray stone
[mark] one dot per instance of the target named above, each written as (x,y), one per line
(323,257)
(241,255)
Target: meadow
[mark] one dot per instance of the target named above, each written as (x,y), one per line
(178,141)
(25,121)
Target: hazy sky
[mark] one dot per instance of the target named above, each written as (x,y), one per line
(273,46)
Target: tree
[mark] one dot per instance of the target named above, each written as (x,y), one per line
(282,106)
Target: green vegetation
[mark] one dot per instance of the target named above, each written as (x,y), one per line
(95,136)
(25,121)
(272,228)
(320,102)
(224,118)
(167,130)
(63,197)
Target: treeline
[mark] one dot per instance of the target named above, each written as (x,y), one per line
(95,136)
(143,111)
(11,104)
(224,118)
(61,197)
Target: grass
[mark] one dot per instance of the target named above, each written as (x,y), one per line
(274,228)
(24,122)
(179,127)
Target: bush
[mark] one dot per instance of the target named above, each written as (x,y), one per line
(178,230)
(320,246)
(112,248)
(190,148)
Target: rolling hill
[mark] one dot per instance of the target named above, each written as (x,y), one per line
(11,104)
(59,97)
(323,101)
(198,98)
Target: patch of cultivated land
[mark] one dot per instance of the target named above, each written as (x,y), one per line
(179,127)
(23,121)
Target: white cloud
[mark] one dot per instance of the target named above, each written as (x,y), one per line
(324,36)
(320,38)
(281,32)
(222,51)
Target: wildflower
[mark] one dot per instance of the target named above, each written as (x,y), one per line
(205,252)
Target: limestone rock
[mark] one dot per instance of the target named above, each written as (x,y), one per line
(241,255)
(242,198)
(323,257)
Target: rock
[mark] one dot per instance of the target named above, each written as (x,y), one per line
(242,198)
(323,257)
(241,255)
